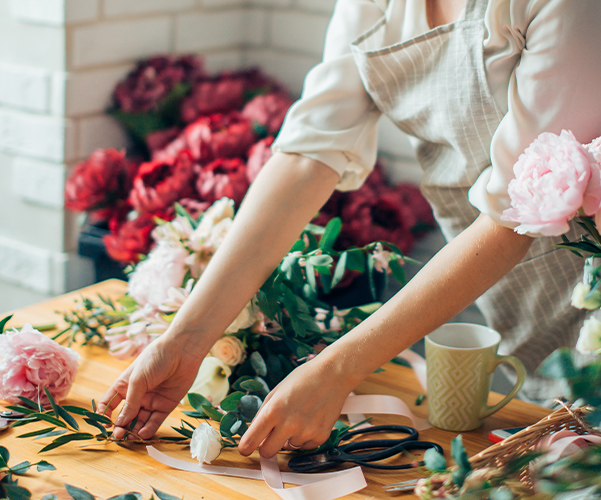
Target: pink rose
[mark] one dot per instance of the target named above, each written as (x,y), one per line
(223,178)
(213,96)
(230,350)
(31,361)
(554,178)
(257,157)
(268,111)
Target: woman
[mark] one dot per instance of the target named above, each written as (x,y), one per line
(474,81)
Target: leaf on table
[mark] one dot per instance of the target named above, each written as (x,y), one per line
(77,493)
(164,496)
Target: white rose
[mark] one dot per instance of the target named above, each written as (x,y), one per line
(164,268)
(205,444)
(590,337)
(218,211)
(230,350)
(247,318)
(212,380)
(218,233)
(580,301)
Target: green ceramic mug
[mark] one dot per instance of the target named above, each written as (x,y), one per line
(460,359)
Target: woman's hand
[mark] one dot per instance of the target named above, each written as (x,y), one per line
(152,386)
(300,412)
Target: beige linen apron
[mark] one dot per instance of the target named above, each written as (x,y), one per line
(434,87)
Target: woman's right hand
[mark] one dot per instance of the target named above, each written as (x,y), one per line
(152,386)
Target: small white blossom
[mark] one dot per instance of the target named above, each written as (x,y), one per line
(589,340)
(580,300)
(205,444)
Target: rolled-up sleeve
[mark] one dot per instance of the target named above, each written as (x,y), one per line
(335,120)
(555,85)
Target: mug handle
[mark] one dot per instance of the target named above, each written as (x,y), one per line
(521,373)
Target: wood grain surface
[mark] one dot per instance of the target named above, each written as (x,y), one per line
(109,470)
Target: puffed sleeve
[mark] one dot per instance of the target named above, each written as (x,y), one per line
(335,120)
(555,85)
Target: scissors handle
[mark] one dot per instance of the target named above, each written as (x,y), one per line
(412,434)
(407,446)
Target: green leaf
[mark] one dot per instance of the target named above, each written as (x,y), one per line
(420,399)
(434,460)
(249,406)
(238,383)
(52,402)
(4,456)
(50,496)
(102,419)
(140,125)
(98,426)
(231,402)
(355,260)
(331,233)
(67,418)
(3,323)
(197,401)
(501,494)
(164,496)
(127,496)
(212,413)
(60,441)
(558,365)
(370,275)
(258,364)
(42,465)
(14,492)
(30,404)
(340,269)
(21,468)
(460,456)
(228,420)
(398,271)
(310,274)
(40,432)
(52,434)
(251,386)
(78,493)
(320,260)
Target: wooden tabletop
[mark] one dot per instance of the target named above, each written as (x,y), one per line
(107,470)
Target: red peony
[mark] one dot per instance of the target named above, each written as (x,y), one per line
(214,96)
(258,155)
(268,111)
(159,184)
(223,177)
(129,240)
(212,137)
(155,141)
(152,80)
(102,181)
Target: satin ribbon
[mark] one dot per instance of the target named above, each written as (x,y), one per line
(324,486)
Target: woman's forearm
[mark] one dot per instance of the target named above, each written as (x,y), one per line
(456,276)
(286,195)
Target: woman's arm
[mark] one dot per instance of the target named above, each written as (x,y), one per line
(304,407)
(286,195)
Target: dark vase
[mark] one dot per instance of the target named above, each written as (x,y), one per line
(91,245)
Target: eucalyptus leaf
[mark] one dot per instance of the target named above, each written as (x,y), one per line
(227,422)
(249,406)
(127,496)
(212,413)
(238,383)
(559,364)
(460,456)
(21,468)
(251,386)
(197,401)
(258,364)
(164,496)
(77,493)
(434,460)
(4,456)
(15,492)
(42,465)
(230,403)
(50,496)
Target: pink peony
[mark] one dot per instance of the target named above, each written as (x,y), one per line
(257,157)
(268,111)
(554,178)
(223,178)
(31,361)
(161,183)
(211,137)
(213,96)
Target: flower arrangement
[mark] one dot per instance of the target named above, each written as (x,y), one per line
(203,137)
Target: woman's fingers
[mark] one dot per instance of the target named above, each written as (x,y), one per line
(258,431)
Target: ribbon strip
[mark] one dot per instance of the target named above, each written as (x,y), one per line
(324,486)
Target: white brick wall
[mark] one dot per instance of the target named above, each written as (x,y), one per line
(24,87)
(40,183)
(100,132)
(298,31)
(114,8)
(210,30)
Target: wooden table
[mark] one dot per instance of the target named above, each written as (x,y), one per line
(109,470)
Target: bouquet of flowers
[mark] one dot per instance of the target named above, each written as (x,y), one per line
(203,137)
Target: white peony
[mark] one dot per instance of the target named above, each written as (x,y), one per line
(212,380)
(164,268)
(230,350)
(247,318)
(205,444)
(580,300)
(217,212)
(590,337)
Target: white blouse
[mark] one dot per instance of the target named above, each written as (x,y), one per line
(543,64)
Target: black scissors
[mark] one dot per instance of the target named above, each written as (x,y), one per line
(358,452)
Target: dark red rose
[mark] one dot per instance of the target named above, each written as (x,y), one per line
(155,141)
(159,184)
(258,155)
(212,137)
(213,96)
(152,80)
(268,111)
(130,239)
(412,198)
(223,177)
(102,181)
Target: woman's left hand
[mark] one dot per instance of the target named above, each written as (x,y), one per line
(299,413)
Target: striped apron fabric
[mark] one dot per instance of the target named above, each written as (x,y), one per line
(434,87)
